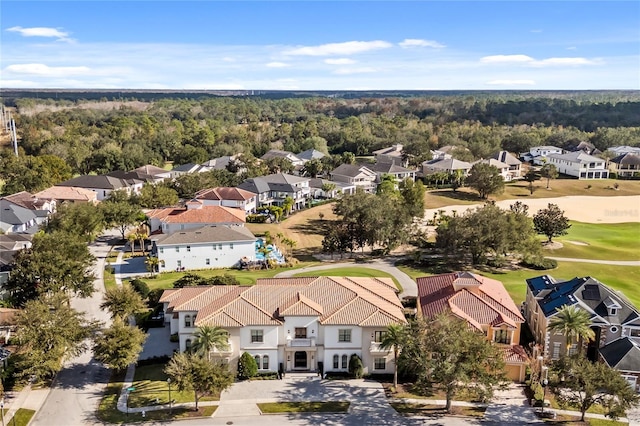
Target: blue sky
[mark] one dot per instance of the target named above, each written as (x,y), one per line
(321,45)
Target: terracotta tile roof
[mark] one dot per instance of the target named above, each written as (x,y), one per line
(72,193)
(203,214)
(479,300)
(364,301)
(224,193)
(205,234)
(515,355)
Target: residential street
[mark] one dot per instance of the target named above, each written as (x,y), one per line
(76,392)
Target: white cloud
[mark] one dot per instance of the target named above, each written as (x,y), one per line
(415,42)
(571,48)
(346,48)
(45,70)
(19,83)
(347,71)
(511,82)
(339,61)
(564,61)
(528,60)
(277,65)
(503,59)
(41,32)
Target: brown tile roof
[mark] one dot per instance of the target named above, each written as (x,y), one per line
(352,301)
(224,193)
(476,299)
(203,214)
(71,193)
(205,234)
(515,355)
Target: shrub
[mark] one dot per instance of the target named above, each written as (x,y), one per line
(226,279)
(539,263)
(356,368)
(247,367)
(189,280)
(140,287)
(257,218)
(174,337)
(154,297)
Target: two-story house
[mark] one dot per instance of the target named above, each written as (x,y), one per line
(612,315)
(15,219)
(357,175)
(580,165)
(229,197)
(311,154)
(273,189)
(10,245)
(42,208)
(625,165)
(67,194)
(293,324)
(448,165)
(184,169)
(391,154)
(289,156)
(538,154)
(510,160)
(503,168)
(392,169)
(484,304)
(103,185)
(193,215)
(148,173)
(203,248)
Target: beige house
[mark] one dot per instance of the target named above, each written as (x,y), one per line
(293,324)
(485,304)
(194,215)
(625,165)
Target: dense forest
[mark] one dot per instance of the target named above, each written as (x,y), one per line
(80,136)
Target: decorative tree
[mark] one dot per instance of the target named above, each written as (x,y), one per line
(485,179)
(356,369)
(574,323)
(551,222)
(394,338)
(549,171)
(247,366)
(207,339)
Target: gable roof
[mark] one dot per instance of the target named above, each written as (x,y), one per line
(335,300)
(629,158)
(224,193)
(390,168)
(202,214)
(622,354)
(393,151)
(25,199)
(189,168)
(577,157)
(219,163)
(507,158)
(274,182)
(276,153)
(447,164)
(351,170)
(206,234)
(13,214)
(474,298)
(311,154)
(590,293)
(493,162)
(97,182)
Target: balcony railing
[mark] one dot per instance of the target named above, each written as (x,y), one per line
(375,348)
(302,343)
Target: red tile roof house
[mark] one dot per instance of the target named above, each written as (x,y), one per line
(229,197)
(193,215)
(293,323)
(482,302)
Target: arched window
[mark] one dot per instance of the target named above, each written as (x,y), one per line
(187,320)
(344,361)
(265,362)
(336,361)
(187,344)
(257,358)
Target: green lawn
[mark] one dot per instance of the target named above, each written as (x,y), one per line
(151,386)
(22,417)
(620,241)
(431,409)
(621,278)
(350,271)
(304,407)
(166,279)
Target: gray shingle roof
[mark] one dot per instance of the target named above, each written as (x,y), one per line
(622,354)
(14,214)
(577,157)
(311,154)
(205,234)
(627,159)
(275,182)
(98,182)
(350,170)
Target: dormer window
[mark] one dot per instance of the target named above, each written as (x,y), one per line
(613,311)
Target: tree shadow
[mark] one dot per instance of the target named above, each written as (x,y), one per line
(77,376)
(458,195)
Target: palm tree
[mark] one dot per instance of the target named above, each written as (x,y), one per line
(132,238)
(207,339)
(152,263)
(142,236)
(573,323)
(394,338)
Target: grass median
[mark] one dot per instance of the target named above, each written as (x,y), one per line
(304,407)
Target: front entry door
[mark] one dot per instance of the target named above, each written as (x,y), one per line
(300,360)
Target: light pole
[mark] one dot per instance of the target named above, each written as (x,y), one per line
(2,410)
(170,401)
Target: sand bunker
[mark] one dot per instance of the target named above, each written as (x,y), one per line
(581,208)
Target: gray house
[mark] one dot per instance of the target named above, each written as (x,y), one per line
(273,189)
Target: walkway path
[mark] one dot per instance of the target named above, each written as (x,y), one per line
(409,287)
(597,261)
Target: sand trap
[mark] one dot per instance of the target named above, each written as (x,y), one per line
(578,243)
(581,208)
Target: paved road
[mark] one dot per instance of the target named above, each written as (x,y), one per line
(409,287)
(77,390)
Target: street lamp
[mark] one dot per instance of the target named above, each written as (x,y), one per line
(170,401)
(544,382)
(2,410)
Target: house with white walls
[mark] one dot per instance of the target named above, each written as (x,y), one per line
(229,197)
(357,175)
(293,324)
(193,215)
(538,154)
(579,164)
(104,185)
(206,247)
